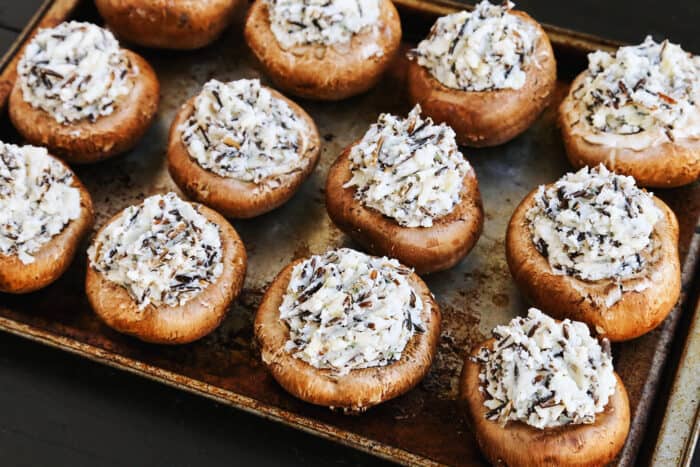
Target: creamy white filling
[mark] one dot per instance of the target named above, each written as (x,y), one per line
(483,50)
(346,310)
(650,86)
(408,169)
(74,71)
(163,251)
(545,373)
(320,22)
(594,224)
(37,200)
(240,130)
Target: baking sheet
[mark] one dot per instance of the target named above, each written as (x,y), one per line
(427,425)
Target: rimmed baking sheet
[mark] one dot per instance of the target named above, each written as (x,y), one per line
(427,425)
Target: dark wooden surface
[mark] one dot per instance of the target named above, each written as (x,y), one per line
(623,20)
(58,409)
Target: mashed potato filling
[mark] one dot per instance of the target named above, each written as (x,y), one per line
(594,225)
(37,200)
(75,71)
(650,86)
(346,310)
(545,373)
(482,50)
(408,169)
(163,251)
(320,22)
(240,130)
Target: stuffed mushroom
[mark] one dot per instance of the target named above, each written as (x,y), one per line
(241,148)
(544,392)
(487,73)
(80,95)
(165,271)
(45,212)
(595,248)
(327,50)
(347,330)
(637,111)
(406,191)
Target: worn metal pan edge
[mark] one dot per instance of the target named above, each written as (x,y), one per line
(212,392)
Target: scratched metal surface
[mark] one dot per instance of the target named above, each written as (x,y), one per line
(427,425)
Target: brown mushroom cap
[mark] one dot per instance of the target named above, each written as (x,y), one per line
(519,444)
(426,249)
(359,389)
(54,257)
(84,141)
(489,118)
(319,72)
(662,165)
(564,296)
(231,197)
(168,24)
(173,324)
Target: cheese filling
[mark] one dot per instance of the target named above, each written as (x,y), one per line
(545,373)
(74,71)
(37,200)
(346,310)
(483,50)
(163,251)
(594,224)
(408,169)
(240,130)
(639,88)
(320,22)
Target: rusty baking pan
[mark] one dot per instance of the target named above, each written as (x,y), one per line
(425,426)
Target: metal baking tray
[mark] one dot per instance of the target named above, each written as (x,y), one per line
(427,425)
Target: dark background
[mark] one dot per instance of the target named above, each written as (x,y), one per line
(58,409)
